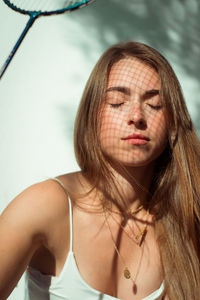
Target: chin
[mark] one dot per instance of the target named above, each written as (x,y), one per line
(135,159)
(137,164)
(134,163)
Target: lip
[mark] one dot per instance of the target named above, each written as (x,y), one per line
(136,136)
(136,139)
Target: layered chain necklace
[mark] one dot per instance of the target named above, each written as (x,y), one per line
(138,239)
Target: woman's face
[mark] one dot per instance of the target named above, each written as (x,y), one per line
(132,123)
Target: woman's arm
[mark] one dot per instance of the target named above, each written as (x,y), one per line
(24,227)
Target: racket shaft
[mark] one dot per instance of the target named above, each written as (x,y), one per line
(12,53)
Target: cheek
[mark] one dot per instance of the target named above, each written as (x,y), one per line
(110,128)
(110,123)
(158,129)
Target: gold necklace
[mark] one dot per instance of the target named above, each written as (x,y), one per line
(130,212)
(138,238)
(126,272)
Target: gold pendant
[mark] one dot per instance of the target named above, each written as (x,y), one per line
(127,273)
(140,236)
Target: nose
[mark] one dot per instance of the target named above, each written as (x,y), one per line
(136,115)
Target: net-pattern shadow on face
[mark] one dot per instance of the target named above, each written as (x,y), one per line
(132,118)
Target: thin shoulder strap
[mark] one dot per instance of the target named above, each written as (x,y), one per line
(70,213)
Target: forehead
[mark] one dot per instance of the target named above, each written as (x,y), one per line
(132,73)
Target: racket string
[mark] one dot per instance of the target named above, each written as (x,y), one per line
(43,5)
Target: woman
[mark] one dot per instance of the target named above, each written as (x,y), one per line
(135,203)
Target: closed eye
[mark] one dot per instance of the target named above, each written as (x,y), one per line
(156,107)
(116,105)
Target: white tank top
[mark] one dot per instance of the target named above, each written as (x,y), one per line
(69,285)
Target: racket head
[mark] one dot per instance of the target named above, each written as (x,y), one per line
(45,7)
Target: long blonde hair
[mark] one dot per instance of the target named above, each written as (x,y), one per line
(175,188)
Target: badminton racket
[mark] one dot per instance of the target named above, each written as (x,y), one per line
(35,9)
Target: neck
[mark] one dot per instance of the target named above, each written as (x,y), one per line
(132,187)
(133,184)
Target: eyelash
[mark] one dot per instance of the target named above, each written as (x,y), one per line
(156,107)
(116,105)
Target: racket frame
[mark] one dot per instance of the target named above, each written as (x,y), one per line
(33,16)
(36,13)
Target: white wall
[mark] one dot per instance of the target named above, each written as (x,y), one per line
(40,91)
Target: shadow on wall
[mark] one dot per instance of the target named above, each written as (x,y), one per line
(171,26)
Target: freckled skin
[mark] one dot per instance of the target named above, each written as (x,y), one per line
(132,106)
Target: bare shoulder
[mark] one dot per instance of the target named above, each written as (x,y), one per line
(73,182)
(39,205)
(25,225)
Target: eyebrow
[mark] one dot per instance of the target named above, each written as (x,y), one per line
(127,91)
(120,89)
(152,92)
